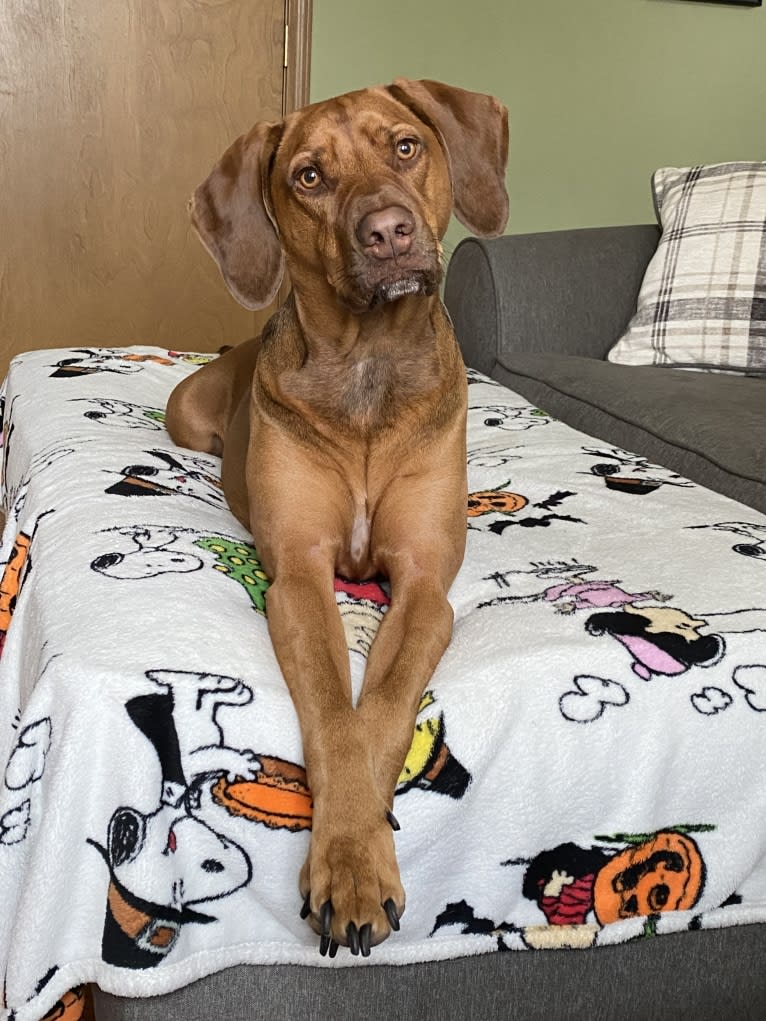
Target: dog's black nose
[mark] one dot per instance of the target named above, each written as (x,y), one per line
(386,233)
(107,560)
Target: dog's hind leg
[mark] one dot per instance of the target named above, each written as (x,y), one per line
(200,408)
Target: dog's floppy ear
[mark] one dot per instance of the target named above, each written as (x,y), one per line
(232,214)
(473,129)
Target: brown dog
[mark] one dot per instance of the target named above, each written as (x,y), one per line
(342,430)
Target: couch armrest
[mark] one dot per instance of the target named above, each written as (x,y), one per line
(570,291)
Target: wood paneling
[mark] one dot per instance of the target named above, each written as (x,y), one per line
(110,114)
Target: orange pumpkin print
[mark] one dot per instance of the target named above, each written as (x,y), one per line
(10,584)
(71,1006)
(664,873)
(497,501)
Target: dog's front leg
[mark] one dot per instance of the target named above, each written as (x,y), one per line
(420,538)
(412,638)
(350,880)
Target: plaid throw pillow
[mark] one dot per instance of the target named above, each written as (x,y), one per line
(702,303)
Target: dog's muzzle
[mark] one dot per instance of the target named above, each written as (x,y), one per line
(396,260)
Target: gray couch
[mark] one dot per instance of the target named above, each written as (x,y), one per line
(713,975)
(539,312)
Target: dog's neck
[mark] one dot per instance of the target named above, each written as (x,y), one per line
(395,325)
(360,371)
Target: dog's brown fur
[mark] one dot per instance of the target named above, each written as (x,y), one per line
(342,431)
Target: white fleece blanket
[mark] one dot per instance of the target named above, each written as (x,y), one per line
(587,767)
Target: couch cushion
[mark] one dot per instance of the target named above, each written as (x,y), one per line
(702,302)
(699,974)
(710,428)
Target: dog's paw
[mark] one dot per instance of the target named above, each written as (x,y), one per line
(352,893)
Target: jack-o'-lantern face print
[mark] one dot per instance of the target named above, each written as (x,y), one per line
(498,501)
(665,873)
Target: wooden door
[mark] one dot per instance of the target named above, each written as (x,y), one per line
(111,113)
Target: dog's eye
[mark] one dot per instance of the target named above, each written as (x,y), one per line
(406,148)
(309,177)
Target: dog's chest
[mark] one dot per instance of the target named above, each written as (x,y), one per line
(367,388)
(364,394)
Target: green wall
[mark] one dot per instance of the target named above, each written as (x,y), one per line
(600,92)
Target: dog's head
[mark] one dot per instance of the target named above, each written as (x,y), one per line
(356,192)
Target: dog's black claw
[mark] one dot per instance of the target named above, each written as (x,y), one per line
(333,948)
(352,935)
(365,934)
(325,917)
(393,915)
(306,909)
(325,944)
(393,821)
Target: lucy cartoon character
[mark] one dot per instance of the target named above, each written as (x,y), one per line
(571,589)
(660,639)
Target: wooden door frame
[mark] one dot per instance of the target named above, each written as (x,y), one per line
(297,72)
